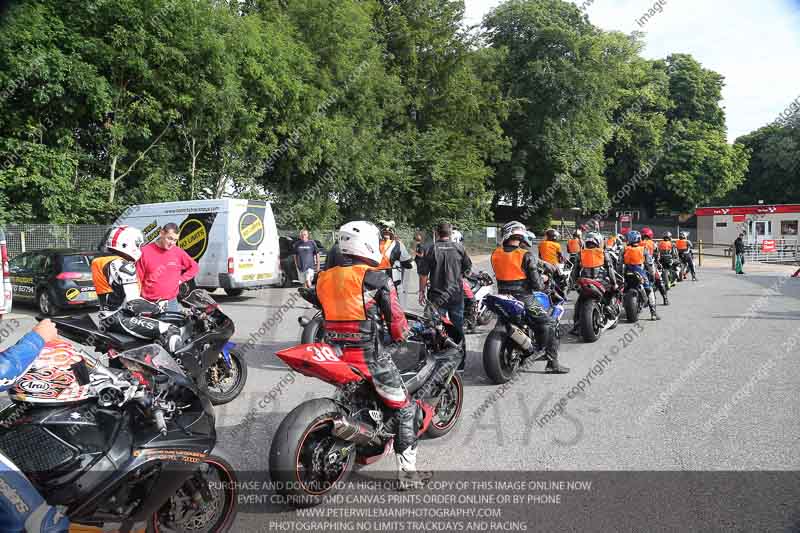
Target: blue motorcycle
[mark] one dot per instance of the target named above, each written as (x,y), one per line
(513,337)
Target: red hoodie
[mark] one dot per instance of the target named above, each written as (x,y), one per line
(161,271)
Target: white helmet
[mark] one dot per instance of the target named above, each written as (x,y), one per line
(361,239)
(456,236)
(512,229)
(125,240)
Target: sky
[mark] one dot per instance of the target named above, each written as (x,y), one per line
(754,44)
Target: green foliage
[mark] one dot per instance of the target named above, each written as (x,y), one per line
(342,109)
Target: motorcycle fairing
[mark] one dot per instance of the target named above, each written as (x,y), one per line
(323,361)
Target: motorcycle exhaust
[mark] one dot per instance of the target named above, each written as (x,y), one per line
(520,338)
(351,430)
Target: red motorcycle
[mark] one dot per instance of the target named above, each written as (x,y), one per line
(319,441)
(598,307)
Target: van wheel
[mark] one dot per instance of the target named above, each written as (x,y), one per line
(234,292)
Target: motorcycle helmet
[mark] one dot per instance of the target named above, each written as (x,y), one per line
(456,236)
(387,228)
(634,237)
(527,240)
(667,235)
(125,241)
(647,232)
(514,229)
(684,235)
(593,240)
(624,231)
(552,235)
(361,239)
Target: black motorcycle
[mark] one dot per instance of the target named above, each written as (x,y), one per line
(206,355)
(635,296)
(128,445)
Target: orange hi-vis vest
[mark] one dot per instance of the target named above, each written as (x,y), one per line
(634,256)
(507,266)
(548,251)
(340,290)
(573,246)
(665,246)
(386,248)
(99,279)
(650,245)
(592,257)
(682,245)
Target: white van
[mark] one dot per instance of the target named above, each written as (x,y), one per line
(235,242)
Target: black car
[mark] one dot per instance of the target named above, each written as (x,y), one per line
(53,279)
(289,274)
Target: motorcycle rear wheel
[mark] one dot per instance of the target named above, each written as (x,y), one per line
(300,455)
(447,410)
(590,320)
(632,306)
(501,357)
(216,516)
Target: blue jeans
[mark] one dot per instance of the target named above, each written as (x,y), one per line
(455,310)
(173,306)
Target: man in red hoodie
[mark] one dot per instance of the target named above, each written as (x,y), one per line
(164,266)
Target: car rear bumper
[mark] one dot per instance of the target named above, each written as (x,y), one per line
(227,281)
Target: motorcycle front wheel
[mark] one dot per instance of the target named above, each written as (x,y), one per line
(225,384)
(501,357)
(314,331)
(180,514)
(305,460)
(447,410)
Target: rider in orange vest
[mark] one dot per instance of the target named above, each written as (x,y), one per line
(394,254)
(686,252)
(594,263)
(650,245)
(517,273)
(355,299)
(638,259)
(550,248)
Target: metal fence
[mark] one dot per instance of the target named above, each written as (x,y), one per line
(786,251)
(30,237)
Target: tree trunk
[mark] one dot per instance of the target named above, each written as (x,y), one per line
(113,180)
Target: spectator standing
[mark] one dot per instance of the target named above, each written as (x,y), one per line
(738,248)
(419,252)
(445,263)
(306,258)
(163,266)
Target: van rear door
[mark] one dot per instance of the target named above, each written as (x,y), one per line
(255,256)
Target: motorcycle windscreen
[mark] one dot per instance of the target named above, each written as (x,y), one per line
(51,378)
(200,299)
(320,360)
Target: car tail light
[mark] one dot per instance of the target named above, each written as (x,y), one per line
(230,265)
(69,275)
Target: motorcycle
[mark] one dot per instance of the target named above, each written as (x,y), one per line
(683,271)
(512,337)
(598,307)
(670,267)
(119,445)
(635,296)
(317,444)
(206,355)
(476,288)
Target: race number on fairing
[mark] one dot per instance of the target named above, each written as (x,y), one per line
(323,354)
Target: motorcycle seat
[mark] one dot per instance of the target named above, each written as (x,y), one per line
(79,328)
